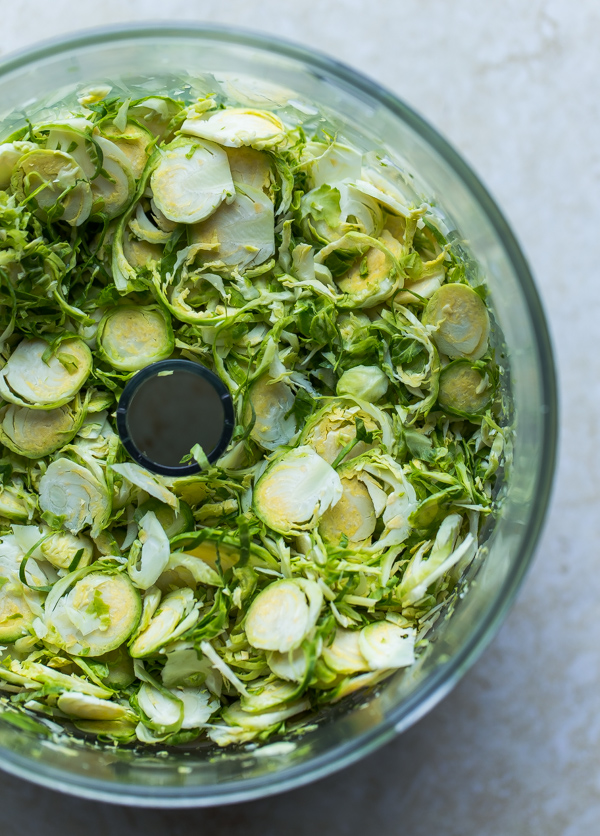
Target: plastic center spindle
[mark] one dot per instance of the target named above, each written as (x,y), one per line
(169,407)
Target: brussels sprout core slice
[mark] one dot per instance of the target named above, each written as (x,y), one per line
(242,233)
(353,516)
(283,614)
(191,180)
(295,490)
(131,337)
(461,324)
(58,183)
(369,383)
(86,707)
(27,380)
(385,645)
(344,654)
(464,390)
(71,491)
(97,615)
(35,433)
(272,402)
(235,127)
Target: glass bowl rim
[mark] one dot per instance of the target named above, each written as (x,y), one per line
(448,674)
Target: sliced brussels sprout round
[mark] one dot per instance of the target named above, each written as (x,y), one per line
(198,705)
(234,127)
(35,433)
(464,389)
(16,504)
(163,710)
(329,212)
(460,321)
(56,547)
(369,383)
(173,521)
(113,189)
(250,167)
(133,141)
(385,645)
(96,615)
(148,562)
(235,715)
(334,427)
(28,380)
(274,425)
(264,696)
(69,490)
(86,707)
(191,180)
(10,153)
(295,490)
(344,655)
(374,276)
(131,337)
(56,184)
(353,516)
(172,611)
(19,605)
(242,233)
(291,665)
(283,614)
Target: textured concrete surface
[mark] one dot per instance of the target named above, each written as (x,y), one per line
(513,751)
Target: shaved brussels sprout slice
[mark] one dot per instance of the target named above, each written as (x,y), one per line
(344,654)
(35,433)
(113,189)
(334,427)
(173,610)
(386,646)
(91,708)
(236,126)
(295,490)
(329,212)
(283,614)
(19,605)
(29,380)
(148,482)
(134,141)
(459,320)
(131,337)
(70,491)
(374,276)
(56,547)
(235,715)
(54,182)
(241,234)
(271,402)
(464,390)
(250,167)
(369,383)
(191,180)
(352,517)
(89,613)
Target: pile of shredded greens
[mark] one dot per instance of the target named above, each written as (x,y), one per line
(313,557)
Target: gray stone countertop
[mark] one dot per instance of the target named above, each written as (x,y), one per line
(514,750)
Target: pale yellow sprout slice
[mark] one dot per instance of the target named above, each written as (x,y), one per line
(95,616)
(27,380)
(386,646)
(234,127)
(191,180)
(282,615)
(131,337)
(296,490)
(459,321)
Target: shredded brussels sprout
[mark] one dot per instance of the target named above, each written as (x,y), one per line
(311,560)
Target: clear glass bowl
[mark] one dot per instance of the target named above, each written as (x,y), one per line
(376,119)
